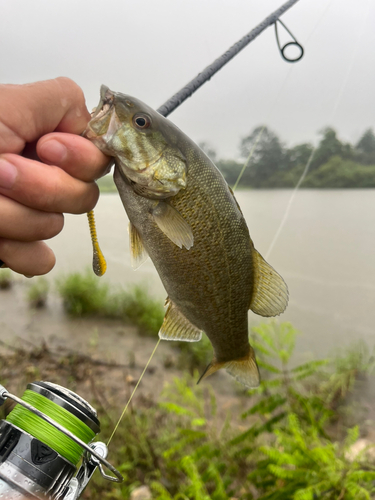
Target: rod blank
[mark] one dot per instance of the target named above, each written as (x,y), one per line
(213,68)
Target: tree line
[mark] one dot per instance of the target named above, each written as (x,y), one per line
(334,164)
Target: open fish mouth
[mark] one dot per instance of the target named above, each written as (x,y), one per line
(104,122)
(99,113)
(106,102)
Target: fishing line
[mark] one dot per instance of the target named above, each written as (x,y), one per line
(132,394)
(273,106)
(172,104)
(42,430)
(289,205)
(191,87)
(249,157)
(333,112)
(208,72)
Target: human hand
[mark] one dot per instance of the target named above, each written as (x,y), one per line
(46,169)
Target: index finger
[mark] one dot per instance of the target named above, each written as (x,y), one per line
(29,111)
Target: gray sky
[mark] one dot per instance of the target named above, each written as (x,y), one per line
(152,48)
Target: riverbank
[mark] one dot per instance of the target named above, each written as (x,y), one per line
(215,440)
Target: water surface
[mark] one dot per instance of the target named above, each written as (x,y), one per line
(325,252)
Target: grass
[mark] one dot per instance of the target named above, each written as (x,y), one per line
(136,306)
(6,279)
(38,292)
(184,449)
(283,449)
(84,294)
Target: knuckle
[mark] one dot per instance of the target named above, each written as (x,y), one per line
(72,88)
(52,228)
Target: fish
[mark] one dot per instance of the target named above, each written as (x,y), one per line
(184,216)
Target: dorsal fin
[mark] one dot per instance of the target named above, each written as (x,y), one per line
(138,253)
(270,296)
(176,327)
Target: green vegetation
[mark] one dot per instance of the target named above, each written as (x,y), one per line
(136,306)
(6,279)
(84,294)
(293,442)
(38,292)
(335,164)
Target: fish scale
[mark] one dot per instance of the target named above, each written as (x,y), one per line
(185,217)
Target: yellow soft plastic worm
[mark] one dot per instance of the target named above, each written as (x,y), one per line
(99,264)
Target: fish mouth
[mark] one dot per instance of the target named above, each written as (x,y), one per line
(107,99)
(102,124)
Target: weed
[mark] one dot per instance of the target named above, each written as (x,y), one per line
(38,292)
(194,355)
(6,279)
(138,307)
(83,294)
(182,449)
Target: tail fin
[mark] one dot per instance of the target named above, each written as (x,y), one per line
(244,370)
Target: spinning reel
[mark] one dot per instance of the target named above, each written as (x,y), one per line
(42,442)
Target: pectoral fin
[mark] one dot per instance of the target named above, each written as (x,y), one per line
(176,327)
(244,370)
(270,296)
(173,225)
(138,253)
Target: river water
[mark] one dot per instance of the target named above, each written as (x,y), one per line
(325,252)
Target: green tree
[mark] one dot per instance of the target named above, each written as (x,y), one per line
(299,155)
(339,173)
(230,170)
(329,146)
(268,156)
(365,148)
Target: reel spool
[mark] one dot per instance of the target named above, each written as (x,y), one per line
(42,441)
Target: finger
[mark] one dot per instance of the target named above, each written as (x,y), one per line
(18,222)
(45,187)
(29,111)
(30,258)
(76,155)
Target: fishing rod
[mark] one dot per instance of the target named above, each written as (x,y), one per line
(191,87)
(46,442)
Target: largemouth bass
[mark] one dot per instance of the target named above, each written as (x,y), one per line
(185,217)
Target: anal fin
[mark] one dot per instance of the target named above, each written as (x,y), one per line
(176,327)
(173,225)
(270,296)
(244,370)
(138,253)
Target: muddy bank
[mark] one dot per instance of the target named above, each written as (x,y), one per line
(96,356)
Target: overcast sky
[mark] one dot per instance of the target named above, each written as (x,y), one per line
(152,48)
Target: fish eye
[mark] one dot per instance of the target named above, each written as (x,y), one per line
(142,121)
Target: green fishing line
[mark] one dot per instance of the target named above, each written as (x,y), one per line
(42,430)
